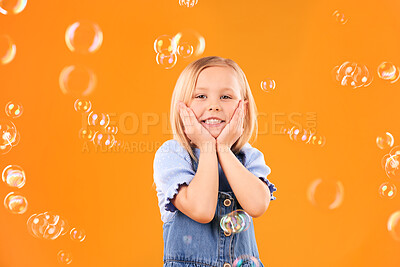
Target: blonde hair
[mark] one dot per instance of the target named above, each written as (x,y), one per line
(184,90)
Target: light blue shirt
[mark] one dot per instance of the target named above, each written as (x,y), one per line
(173,167)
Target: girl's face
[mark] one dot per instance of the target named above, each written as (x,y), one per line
(216,94)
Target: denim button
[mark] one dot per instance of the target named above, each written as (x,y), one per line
(227,202)
(227,233)
(227,264)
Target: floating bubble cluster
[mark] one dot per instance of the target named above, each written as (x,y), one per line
(352,74)
(235,222)
(15,204)
(268,85)
(83,37)
(246,260)
(77,80)
(186,44)
(64,257)
(340,17)
(12,7)
(389,72)
(325,193)
(385,140)
(387,190)
(14,176)
(47,226)
(188,3)
(302,135)
(13,110)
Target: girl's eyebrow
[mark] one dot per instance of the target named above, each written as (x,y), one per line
(223,89)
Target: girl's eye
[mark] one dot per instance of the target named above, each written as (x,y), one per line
(222,96)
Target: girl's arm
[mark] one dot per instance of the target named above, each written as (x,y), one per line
(252,193)
(198,200)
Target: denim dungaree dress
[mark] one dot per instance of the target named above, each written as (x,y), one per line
(188,243)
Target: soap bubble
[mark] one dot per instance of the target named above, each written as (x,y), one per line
(167,61)
(77,80)
(12,7)
(64,257)
(8,132)
(190,37)
(83,37)
(340,17)
(82,105)
(15,204)
(188,3)
(384,160)
(87,134)
(395,151)
(13,110)
(185,50)
(393,225)
(14,176)
(392,167)
(385,141)
(165,44)
(326,194)
(235,222)
(110,130)
(7,49)
(353,75)
(104,140)
(387,190)
(268,85)
(187,239)
(388,71)
(77,234)
(47,226)
(98,119)
(246,260)
(317,140)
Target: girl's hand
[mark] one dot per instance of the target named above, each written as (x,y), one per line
(196,132)
(233,130)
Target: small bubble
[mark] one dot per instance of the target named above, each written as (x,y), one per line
(64,257)
(81,105)
(14,176)
(340,17)
(268,85)
(14,110)
(77,234)
(77,80)
(388,71)
(166,61)
(15,204)
(387,190)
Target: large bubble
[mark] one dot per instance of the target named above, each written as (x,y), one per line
(393,225)
(352,74)
(385,140)
(83,37)
(12,7)
(77,80)
(325,193)
(7,49)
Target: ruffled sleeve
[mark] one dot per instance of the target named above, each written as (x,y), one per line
(172,168)
(255,163)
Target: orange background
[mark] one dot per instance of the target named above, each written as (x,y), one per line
(110,195)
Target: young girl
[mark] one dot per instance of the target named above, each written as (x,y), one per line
(209,169)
